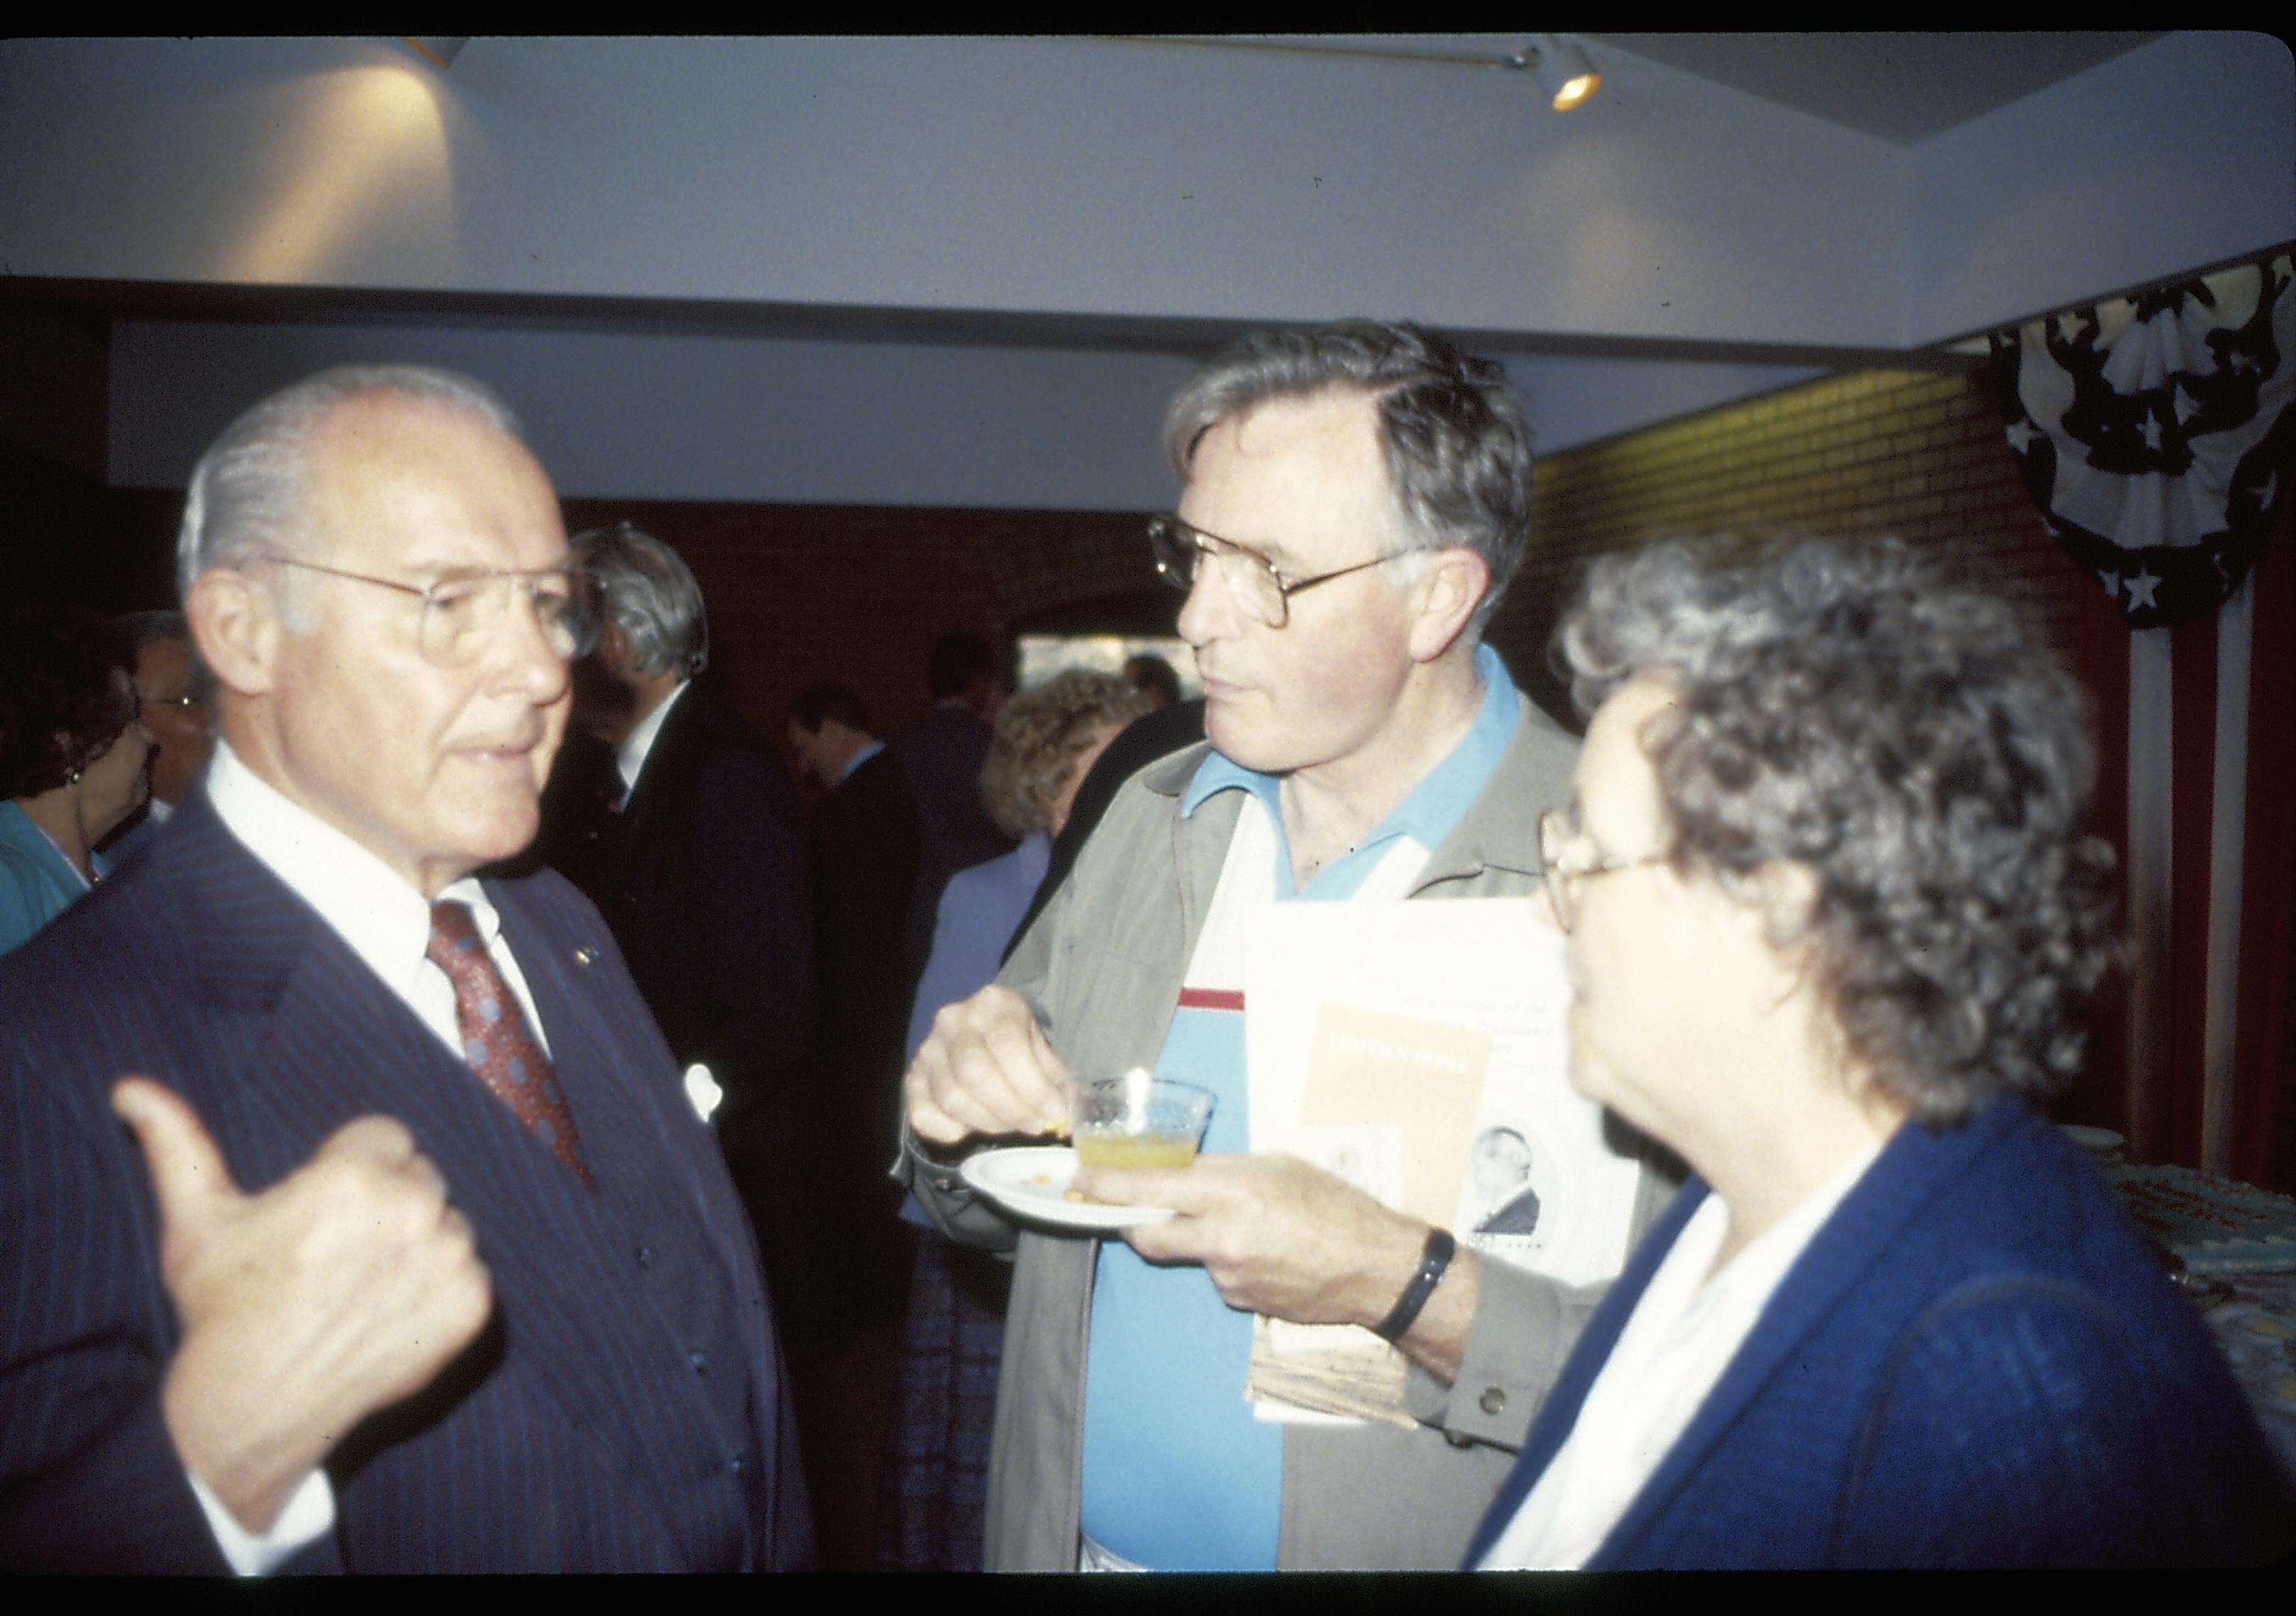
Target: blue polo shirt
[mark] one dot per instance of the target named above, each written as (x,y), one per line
(1177,1474)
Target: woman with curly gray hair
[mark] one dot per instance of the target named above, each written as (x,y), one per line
(1832,927)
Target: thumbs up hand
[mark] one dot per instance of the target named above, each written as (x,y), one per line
(342,1289)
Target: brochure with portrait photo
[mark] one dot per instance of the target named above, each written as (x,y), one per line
(1420,1051)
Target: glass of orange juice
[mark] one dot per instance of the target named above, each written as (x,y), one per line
(1140,1121)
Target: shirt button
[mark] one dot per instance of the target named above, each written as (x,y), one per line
(646,1257)
(734,1465)
(698,1359)
(1493,1399)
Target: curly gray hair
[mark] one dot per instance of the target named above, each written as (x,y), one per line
(1042,735)
(1453,430)
(1912,745)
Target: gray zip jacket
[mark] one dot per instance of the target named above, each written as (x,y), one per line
(1102,968)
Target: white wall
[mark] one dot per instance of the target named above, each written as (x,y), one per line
(1057,174)
(2177,156)
(1094,176)
(803,424)
(656,417)
(696,417)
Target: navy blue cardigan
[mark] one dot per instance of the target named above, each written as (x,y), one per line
(1977,1361)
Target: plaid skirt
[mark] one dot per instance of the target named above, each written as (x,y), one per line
(935,1480)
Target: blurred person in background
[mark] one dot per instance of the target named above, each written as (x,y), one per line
(1154,678)
(171,688)
(936,1456)
(699,867)
(1046,740)
(73,755)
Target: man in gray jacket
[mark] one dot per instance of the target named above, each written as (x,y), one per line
(1361,743)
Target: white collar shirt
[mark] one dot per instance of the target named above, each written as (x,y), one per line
(629,757)
(379,916)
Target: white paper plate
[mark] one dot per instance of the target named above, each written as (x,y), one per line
(1031,1182)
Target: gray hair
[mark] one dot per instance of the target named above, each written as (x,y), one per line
(1912,744)
(249,491)
(645,588)
(1456,443)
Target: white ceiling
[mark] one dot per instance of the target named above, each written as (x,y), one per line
(1900,88)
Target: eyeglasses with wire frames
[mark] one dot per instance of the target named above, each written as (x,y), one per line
(1252,581)
(462,611)
(1562,842)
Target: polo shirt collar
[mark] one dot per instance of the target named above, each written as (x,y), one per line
(1431,809)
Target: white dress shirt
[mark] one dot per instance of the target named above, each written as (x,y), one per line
(629,757)
(861,755)
(387,923)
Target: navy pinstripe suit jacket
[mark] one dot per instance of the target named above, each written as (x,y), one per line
(623,1410)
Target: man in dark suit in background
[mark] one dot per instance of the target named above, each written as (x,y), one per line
(699,869)
(941,755)
(486,1300)
(900,817)
(866,842)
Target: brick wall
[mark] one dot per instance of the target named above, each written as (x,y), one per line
(1912,453)
(859,593)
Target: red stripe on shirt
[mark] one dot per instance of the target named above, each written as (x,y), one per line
(1211,998)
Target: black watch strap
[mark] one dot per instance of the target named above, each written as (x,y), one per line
(1433,1259)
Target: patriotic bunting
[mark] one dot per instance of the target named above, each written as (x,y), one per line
(2156,433)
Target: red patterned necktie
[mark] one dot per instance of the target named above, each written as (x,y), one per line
(495,1040)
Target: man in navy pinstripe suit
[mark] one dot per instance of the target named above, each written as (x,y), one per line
(327,1301)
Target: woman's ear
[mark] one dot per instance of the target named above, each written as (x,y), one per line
(1784,893)
(1780,901)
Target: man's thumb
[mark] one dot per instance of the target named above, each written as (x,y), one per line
(188,1173)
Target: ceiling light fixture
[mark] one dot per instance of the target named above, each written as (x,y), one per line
(1562,69)
(439,52)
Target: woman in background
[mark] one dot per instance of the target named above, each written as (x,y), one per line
(72,754)
(936,1460)
(1832,931)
